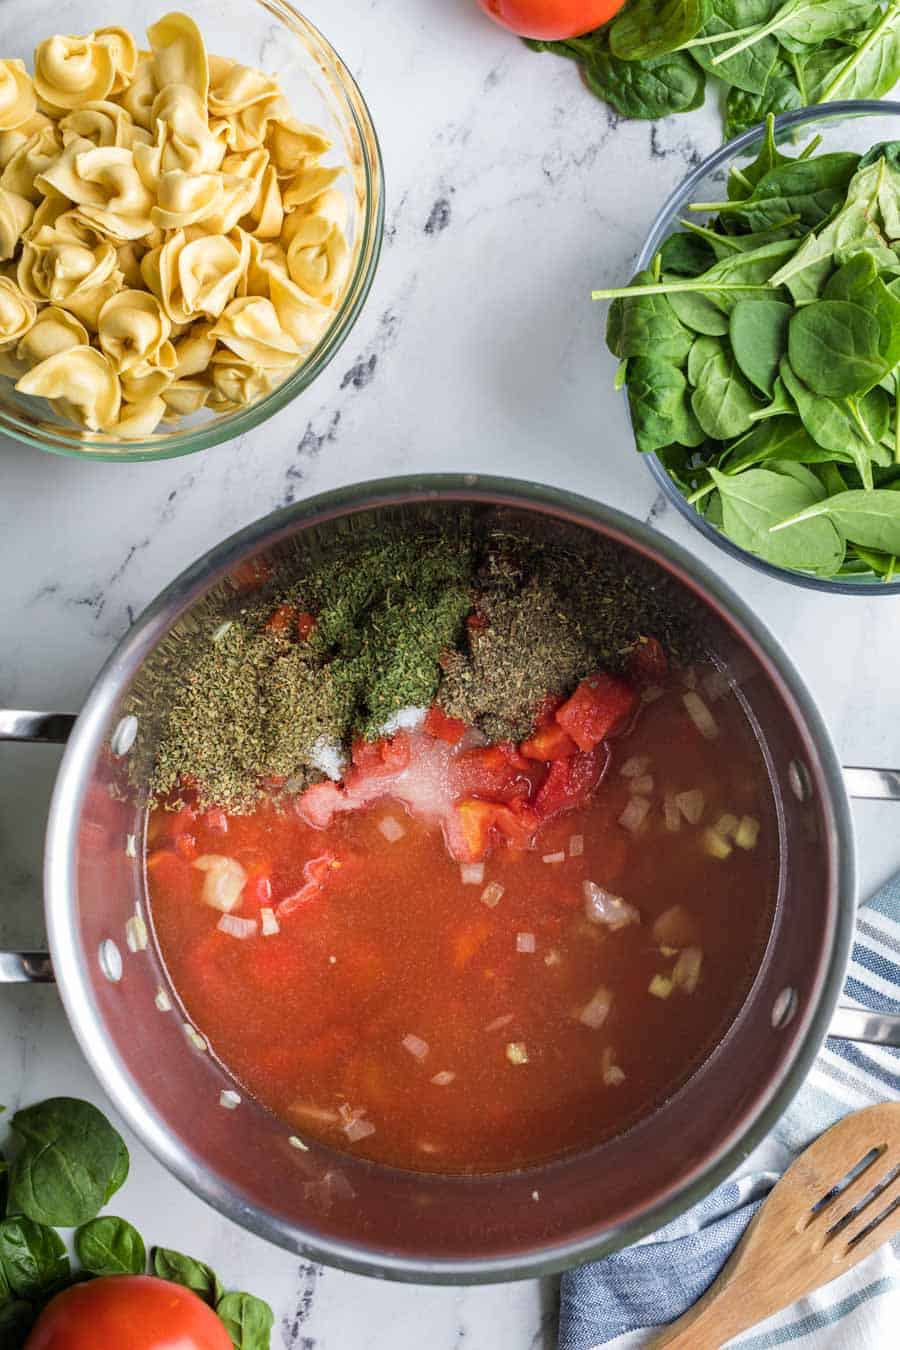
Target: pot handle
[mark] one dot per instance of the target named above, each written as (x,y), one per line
(35,728)
(860,1024)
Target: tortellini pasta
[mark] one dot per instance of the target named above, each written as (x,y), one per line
(170,239)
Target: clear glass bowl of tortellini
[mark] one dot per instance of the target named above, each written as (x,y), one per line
(191,211)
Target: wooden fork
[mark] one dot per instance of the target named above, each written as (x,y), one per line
(833,1207)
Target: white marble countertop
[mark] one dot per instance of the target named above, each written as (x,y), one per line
(510,192)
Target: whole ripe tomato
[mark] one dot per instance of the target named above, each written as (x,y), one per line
(551,19)
(128,1312)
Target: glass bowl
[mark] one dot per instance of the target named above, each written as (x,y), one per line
(273,36)
(852,125)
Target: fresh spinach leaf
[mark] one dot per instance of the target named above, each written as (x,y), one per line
(686,254)
(660,412)
(750,69)
(71,1161)
(110,1246)
(758,333)
(646,325)
(648,28)
(16,1320)
(754,501)
(699,312)
(783,92)
(184,1270)
(833,346)
(870,519)
(849,428)
(872,70)
(33,1256)
(722,401)
(781,438)
(809,189)
(247,1320)
(646,90)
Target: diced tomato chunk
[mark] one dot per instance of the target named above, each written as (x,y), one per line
(250,574)
(549,743)
(499,772)
(379,759)
(306,623)
(319,804)
(647,662)
(570,782)
(479,820)
(282,622)
(600,706)
(444,728)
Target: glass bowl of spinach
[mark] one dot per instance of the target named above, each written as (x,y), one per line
(759,345)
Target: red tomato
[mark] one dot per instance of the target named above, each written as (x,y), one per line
(282,622)
(128,1312)
(551,19)
(599,708)
(444,728)
(379,759)
(569,783)
(549,743)
(517,824)
(499,772)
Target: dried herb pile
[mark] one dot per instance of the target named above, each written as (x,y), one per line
(484,622)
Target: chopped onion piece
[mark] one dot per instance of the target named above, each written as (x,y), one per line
(686,974)
(498,1022)
(671,813)
(747,832)
(635,767)
(136,933)
(554,857)
(635,814)
(595,1012)
(130,846)
(660,986)
(237,927)
(472,874)
(691,805)
(553,958)
(270,925)
(576,846)
(612,1074)
(391,829)
(193,1035)
(644,784)
(651,692)
(675,928)
(162,1000)
(319,1115)
(715,844)
(700,715)
(525,942)
(358,1129)
(727,825)
(689,677)
(492,894)
(517,1052)
(229,1099)
(415,1045)
(603,907)
(298,1143)
(224,883)
(444,1078)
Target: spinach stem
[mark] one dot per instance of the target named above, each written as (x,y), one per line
(669,287)
(897,417)
(807,514)
(890,16)
(761,31)
(699,493)
(716,37)
(811,148)
(742,179)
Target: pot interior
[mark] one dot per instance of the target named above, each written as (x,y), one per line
(369,1217)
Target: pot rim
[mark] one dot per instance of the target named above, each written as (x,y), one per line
(60,878)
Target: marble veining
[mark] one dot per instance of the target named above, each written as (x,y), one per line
(510,192)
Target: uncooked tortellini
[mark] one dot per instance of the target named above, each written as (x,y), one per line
(170,239)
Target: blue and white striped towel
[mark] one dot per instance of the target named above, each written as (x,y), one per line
(622,1301)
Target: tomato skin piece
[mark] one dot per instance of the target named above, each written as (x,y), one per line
(479,820)
(378,759)
(570,782)
(444,728)
(600,707)
(551,19)
(128,1312)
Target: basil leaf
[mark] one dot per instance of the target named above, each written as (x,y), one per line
(16,1320)
(660,413)
(758,333)
(833,346)
(754,501)
(871,519)
(722,401)
(184,1270)
(110,1246)
(33,1256)
(648,28)
(247,1320)
(70,1163)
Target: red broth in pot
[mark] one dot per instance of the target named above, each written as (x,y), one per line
(387,999)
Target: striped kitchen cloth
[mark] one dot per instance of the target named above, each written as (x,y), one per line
(623,1301)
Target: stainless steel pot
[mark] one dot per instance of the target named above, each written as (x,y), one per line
(377,1220)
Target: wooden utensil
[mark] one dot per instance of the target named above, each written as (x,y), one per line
(833,1207)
